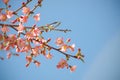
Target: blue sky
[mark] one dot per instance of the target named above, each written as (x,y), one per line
(95,26)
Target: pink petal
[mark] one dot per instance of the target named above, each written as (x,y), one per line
(26,10)
(37,63)
(37,17)
(4,29)
(20,28)
(73,68)
(59,41)
(9,14)
(28,58)
(49,56)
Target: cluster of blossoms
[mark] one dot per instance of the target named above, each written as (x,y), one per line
(63,63)
(30,40)
(63,46)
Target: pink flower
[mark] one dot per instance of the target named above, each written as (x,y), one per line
(20,28)
(17,49)
(26,48)
(4,29)
(73,68)
(12,38)
(5,1)
(26,10)
(37,17)
(36,32)
(39,41)
(23,19)
(64,48)
(49,56)
(59,41)
(9,13)
(37,63)
(9,55)
(72,47)
(35,51)
(7,48)
(63,63)
(29,35)
(20,42)
(29,59)
(3,17)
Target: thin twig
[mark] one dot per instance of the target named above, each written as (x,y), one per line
(35,7)
(41,27)
(22,6)
(60,51)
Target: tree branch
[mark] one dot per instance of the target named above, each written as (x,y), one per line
(41,27)
(14,27)
(28,1)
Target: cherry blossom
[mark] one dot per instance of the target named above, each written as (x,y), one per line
(39,41)
(63,63)
(17,49)
(20,42)
(23,19)
(37,63)
(10,41)
(9,13)
(30,39)
(72,47)
(7,48)
(35,51)
(49,56)
(59,41)
(20,28)
(26,48)
(4,29)
(73,68)
(12,38)
(29,59)
(3,17)
(26,10)
(29,35)
(36,31)
(64,48)
(37,17)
